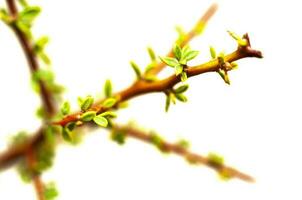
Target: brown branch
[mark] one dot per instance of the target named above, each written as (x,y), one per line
(183,152)
(27,46)
(188,37)
(138,88)
(11,155)
(38,184)
(144,87)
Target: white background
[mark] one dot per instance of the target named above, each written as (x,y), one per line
(255,123)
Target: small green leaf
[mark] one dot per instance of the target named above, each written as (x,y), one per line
(234,65)
(150,78)
(181,97)
(224,76)
(23,3)
(118,136)
(50,191)
(66,133)
(183,76)
(65,109)
(41,42)
(108,114)
(177,51)
(24,172)
(4,16)
(240,41)
(29,14)
(190,55)
(183,143)
(108,88)
(71,126)
(44,57)
(101,121)
(178,69)
(157,141)
(87,103)
(88,116)
(213,52)
(169,61)
(168,102)
(215,159)
(24,28)
(108,103)
(181,34)
(136,69)
(151,54)
(181,89)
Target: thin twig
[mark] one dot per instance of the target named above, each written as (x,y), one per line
(27,46)
(183,152)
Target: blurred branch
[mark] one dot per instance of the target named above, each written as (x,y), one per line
(182,151)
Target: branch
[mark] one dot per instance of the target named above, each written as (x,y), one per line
(201,23)
(180,150)
(141,87)
(36,178)
(27,46)
(11,155)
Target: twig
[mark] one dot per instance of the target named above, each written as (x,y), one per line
(46,96)
(141,87)
(183,152)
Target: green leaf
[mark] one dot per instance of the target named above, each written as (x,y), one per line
(101,121)
(50,191)
(65,109)
(157,141)
(108,103)
(108,88)
(108,114)
(150,78)
(24,172)
(88,116)
(190,55)
(177,52)
(168,102)
(4,16)
(136,69)
(178,69)
(183,76)
(234,65)
(169,61)
(181,89)
(151,54)
(118,136)
(181,97)
(183,143)
(29,14)
(215,159)
(23,3)
(224,76)
(41,42)
(213,52)
(66,133)
(24,28)
(71,126)
(240,41)
(87,103)
(181,34)
(44,57)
